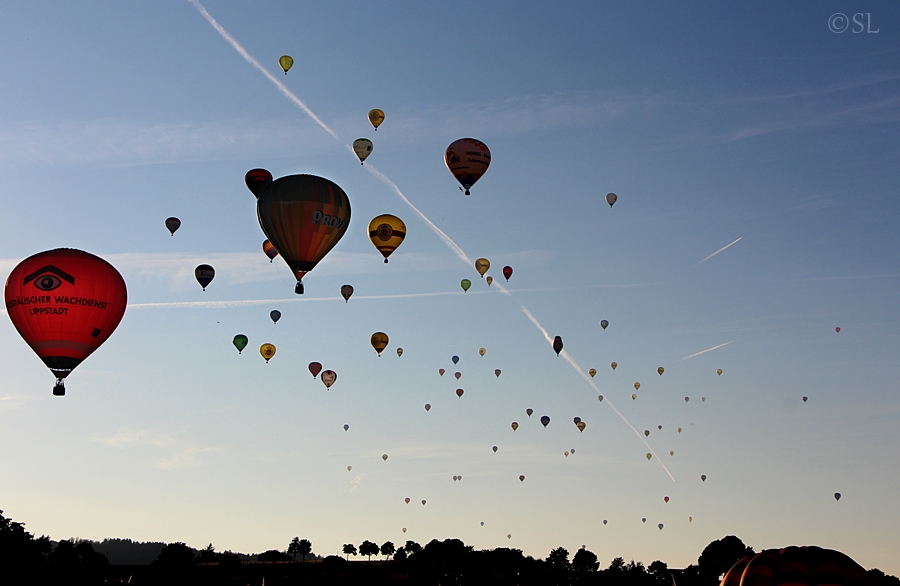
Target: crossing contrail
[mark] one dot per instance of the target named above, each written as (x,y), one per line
(440,233)
(705,351)
(718,251)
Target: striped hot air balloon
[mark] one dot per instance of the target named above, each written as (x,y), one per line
(796,566)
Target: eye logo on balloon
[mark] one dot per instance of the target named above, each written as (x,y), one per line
(47,282)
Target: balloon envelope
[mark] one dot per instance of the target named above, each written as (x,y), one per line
(482,265)
(465,284)
(304,217)
(507,272)
(399,352)
(467,159)
(719,371)
(386,233)
(613,365)
(557,345)
(315,368)
(363,148)
(441,371)
(257,180)
(637,386)
(837,496)
(240,342)
(379,341)
(482,351)
(457,375)
(838,330)
(497,372)
(204,275)
(604,324)
(376,117)
(173,224)
(346,427)
(459,392)
(528,412)
(660,370)
(275,315)
(514,425)
(428,406)
(489,280)
(521,478)
(592,372)
(65,303)
(545,421)
(328,377)
(267,351)
(455,359)
(269,250)
(580,425)
(286,62)
(346,292)
(611,198)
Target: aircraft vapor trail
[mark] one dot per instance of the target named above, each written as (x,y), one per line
(705,351)
(718,251)
(440,233)
(250,302)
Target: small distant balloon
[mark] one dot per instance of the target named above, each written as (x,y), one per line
(459,392)
(275,315)
(363,148)
(837,496)
(679,430)
(489,280)
(633,396)
(441,371)
(703,399)
(286,62)
(643,519)
(495,449)
(315,368)
(403,529)
(349,468)
(592,372)
(509,535)
(465,284)
(379,341)
(376,117)
(528,412)
(637,386)
(482,265)
(575,420)
(384,457)
(604,521)
(467,159)
(557,345)
(580,425)
(346,427)
(521,478)
(399,352)
(611,198)
(719,371)
(240,342)
(407,499)
(600,398)
(346,292)
(545,421)
(173,224)
(497,372)
(703,477)
(267,351)
(647,432)
(660,370)
(604,324)
(328,377)
(660,526)
(690,519)
(457,375)
(507,272)
(482,523)
(686,399)
(204,275)
(455,359)
(566,453)
(805,399)
(428,406)
(482,351)
(838,330)
(514,426)
(649,455)
(665,498)
(269,250)
(613,365)
(672,453)
(386,233)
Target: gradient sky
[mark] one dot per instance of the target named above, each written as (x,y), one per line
(712,122)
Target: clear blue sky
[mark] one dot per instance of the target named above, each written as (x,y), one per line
(711,122)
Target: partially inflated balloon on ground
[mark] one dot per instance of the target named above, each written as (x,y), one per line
(65,303)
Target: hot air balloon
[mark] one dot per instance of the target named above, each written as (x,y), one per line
(686,399)
(406,500)
(482,351)
(799,566)
(660,526)
(423,502)
(592,372)
(604,324)
(328,377)
(441,371)
(665,498)
(509,535)
(647,433)
(455,359)
(404,530)
(275,315)
(204,275)
(386,232)
(427,406)
(703,477)
(482,265)
(719,371)
(457,375)
(349,468)
(838,330)
(376,117)
(637,386)
(679,430)
(566,453)
(315,368)
(649,455)
(703,398)
(613,365)
(557,345)
(600,398)
(514,426)
(611,198)
(267,351)
(346,292)
(660,370)
(575,420)
(465,284)
(286,62)
(572,451)
(489,280)
(269,250)
(672,453)
(805,399)
(521,478)
(507,272)
(528,412)
(580,425)
(633,396)
(459,392)
(304,217)
(379,341)
(173,224)
(86,305)
(362,147)
(604,521)
(346,427)
(482,523)
(399,352)
(545,421)
(384,457)
(837,496)
(643,519)
(257,180)
(495,449)
(467,159)
(497,372)
(240,342)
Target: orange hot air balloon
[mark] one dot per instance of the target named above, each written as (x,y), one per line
(257,180)
(514,426)
(269,250)
(315,368)
(379,341)
(304,217)
(467,159)
(65,303)
(507,272)
(386,233)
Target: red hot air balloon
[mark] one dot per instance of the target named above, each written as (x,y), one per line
(315,368)
(257,180)
(459,392)
(174,224)
(507,272)
(269,250)
(304,217)
(467,159)
(837,330)
(65,303)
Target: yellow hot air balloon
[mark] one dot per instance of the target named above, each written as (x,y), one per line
(489,280)
(660,370)
(482,351)
(592,372)
(376,117)
(386,232)
(482,265)
(580,425)
(363,148)
(719,371)
(633,396)
(614,365)
(399,352)
(379,341)
(649,455)
(286,62)
(637,386)
(267,351)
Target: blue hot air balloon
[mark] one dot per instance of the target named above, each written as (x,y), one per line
(275,315)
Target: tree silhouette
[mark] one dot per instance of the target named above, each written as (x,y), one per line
(585,560)
(305,548)
(387,549)
(718,557)
(175,556)
(207,555)
(618,564)
(660,570)
(412,547)
(294,548)
(349,549)
(368,548)
(559,559)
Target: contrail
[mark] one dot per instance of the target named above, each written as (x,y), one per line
(251,302)
(705,351)
(718,251)
(440,233)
